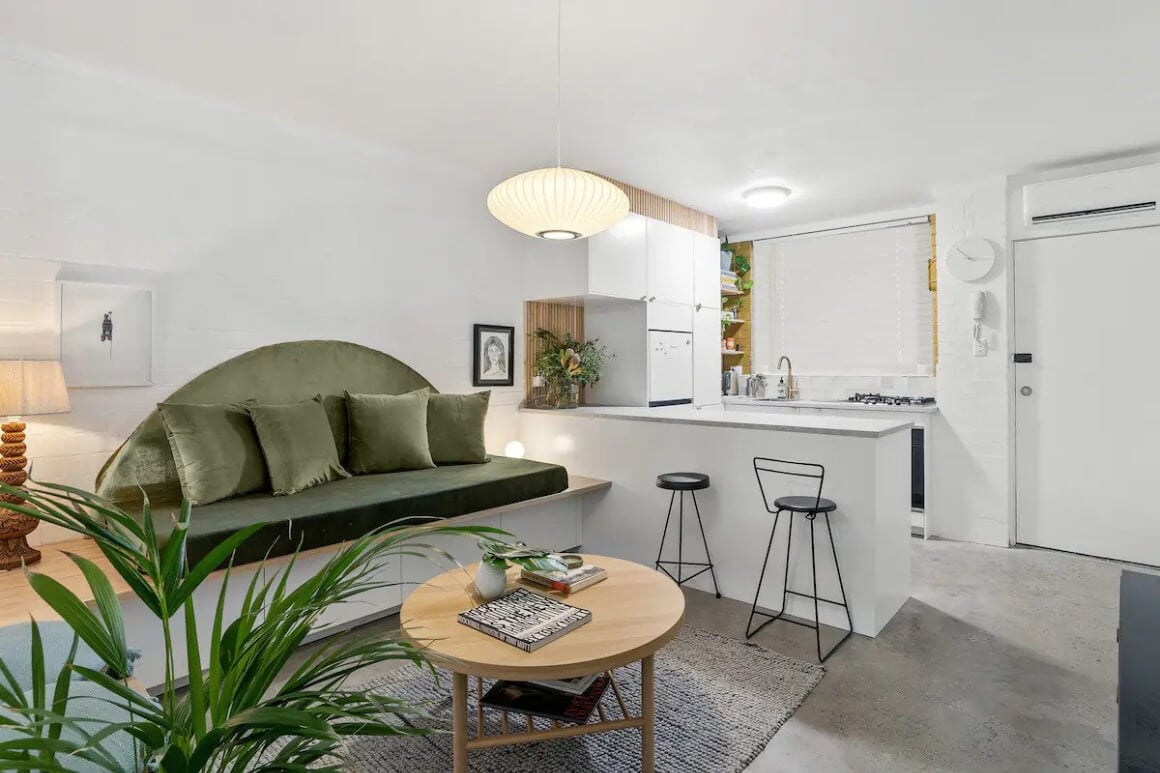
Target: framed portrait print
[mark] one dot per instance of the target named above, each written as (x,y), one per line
(106,335)
(492,361)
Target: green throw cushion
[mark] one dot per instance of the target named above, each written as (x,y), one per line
(388,432)
(215,449)
(455,428)
(298,445)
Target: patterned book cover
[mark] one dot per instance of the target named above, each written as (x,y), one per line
(539,701)
(524,619)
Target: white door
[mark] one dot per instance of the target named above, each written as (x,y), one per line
(706,271)
(670,263)
(1087,423)
(618,260)
(707,357)
(670,372)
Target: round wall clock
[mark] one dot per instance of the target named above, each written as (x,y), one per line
(970,258)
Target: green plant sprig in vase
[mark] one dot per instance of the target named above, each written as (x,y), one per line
(568,364)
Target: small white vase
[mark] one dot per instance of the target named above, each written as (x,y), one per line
(490,582)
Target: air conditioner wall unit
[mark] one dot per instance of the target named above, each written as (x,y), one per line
(1107,194)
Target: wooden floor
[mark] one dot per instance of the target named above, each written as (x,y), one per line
(18,601)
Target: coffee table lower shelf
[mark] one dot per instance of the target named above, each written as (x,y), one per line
(464,741)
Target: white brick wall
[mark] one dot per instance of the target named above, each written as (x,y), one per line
(971,475)
(252,232)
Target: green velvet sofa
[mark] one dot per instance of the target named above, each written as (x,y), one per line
(326,514)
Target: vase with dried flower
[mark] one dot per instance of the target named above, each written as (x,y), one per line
(566,365)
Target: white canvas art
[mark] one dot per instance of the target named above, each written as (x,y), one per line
(106,335)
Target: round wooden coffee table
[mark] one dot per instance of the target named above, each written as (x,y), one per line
(635,612)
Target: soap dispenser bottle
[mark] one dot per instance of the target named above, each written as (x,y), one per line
(781,392)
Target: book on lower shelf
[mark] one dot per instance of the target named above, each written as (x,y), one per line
(525,619)
(568,580)
(539,701)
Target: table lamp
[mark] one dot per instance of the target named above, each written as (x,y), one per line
(27,388)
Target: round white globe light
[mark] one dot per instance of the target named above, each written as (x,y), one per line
(514,449)
(557,203)
(766,197)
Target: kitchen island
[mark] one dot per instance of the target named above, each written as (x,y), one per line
(867,463)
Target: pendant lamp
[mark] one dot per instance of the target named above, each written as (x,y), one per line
(557,202)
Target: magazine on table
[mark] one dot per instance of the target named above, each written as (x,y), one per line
(525,619)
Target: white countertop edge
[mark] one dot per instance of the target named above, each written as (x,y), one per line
(839,405)
(817,425)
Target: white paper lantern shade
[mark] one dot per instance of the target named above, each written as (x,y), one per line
(557,203)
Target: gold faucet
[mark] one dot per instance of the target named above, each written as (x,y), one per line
(791,391)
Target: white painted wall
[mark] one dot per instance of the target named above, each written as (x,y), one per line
(971,475)
(252,231)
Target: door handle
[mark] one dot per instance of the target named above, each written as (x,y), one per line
(1025,391)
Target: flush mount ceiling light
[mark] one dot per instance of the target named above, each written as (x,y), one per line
(766,197)
(557,203)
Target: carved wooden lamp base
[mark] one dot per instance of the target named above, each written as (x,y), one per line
(14,527)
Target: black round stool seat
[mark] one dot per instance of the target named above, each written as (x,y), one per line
(805,504)
(683,481)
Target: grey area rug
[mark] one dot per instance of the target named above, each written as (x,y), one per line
(718,703)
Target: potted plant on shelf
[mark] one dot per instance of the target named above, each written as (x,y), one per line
(567,364)
(491,577)
(236,713)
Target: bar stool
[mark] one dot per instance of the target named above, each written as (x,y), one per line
(691,482)
(810,507)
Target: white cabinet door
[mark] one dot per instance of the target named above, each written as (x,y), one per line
(707,357)
(618,260)
(670,316)
(670,372)
(670,262)
(706,271)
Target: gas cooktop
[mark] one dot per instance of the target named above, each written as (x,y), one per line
(873,398)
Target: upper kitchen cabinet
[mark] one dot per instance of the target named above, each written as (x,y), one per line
(618,260)
(670,262)
(706,272)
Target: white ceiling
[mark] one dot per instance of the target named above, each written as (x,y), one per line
(857,105)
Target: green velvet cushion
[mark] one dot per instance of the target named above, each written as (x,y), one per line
(215,449)
(388,432)
(455,428)
(298,445)
(342,511)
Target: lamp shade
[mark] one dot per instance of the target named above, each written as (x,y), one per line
(557,203)
(31,387)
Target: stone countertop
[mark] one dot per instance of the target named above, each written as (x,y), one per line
(840,405)
(716,416)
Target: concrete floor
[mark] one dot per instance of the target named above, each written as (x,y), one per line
(1002,660)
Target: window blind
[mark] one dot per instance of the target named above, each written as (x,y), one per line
(850,303)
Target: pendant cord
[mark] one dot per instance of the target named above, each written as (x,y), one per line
(559,88)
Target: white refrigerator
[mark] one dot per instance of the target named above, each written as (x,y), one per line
(670,368)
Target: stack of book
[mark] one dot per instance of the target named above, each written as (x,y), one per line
(567,581)
(729,282)
(564,700)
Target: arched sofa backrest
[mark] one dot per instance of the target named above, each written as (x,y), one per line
(280,373)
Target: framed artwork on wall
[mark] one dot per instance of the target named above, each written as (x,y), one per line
(493,350)
(106,335)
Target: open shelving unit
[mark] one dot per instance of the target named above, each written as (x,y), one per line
(739,329)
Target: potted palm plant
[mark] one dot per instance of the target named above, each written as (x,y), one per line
(234,715)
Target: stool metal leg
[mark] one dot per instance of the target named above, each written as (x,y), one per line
(665,533)
(841,587)
(786,592)
(705,566)
(708,557)
(749,629)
